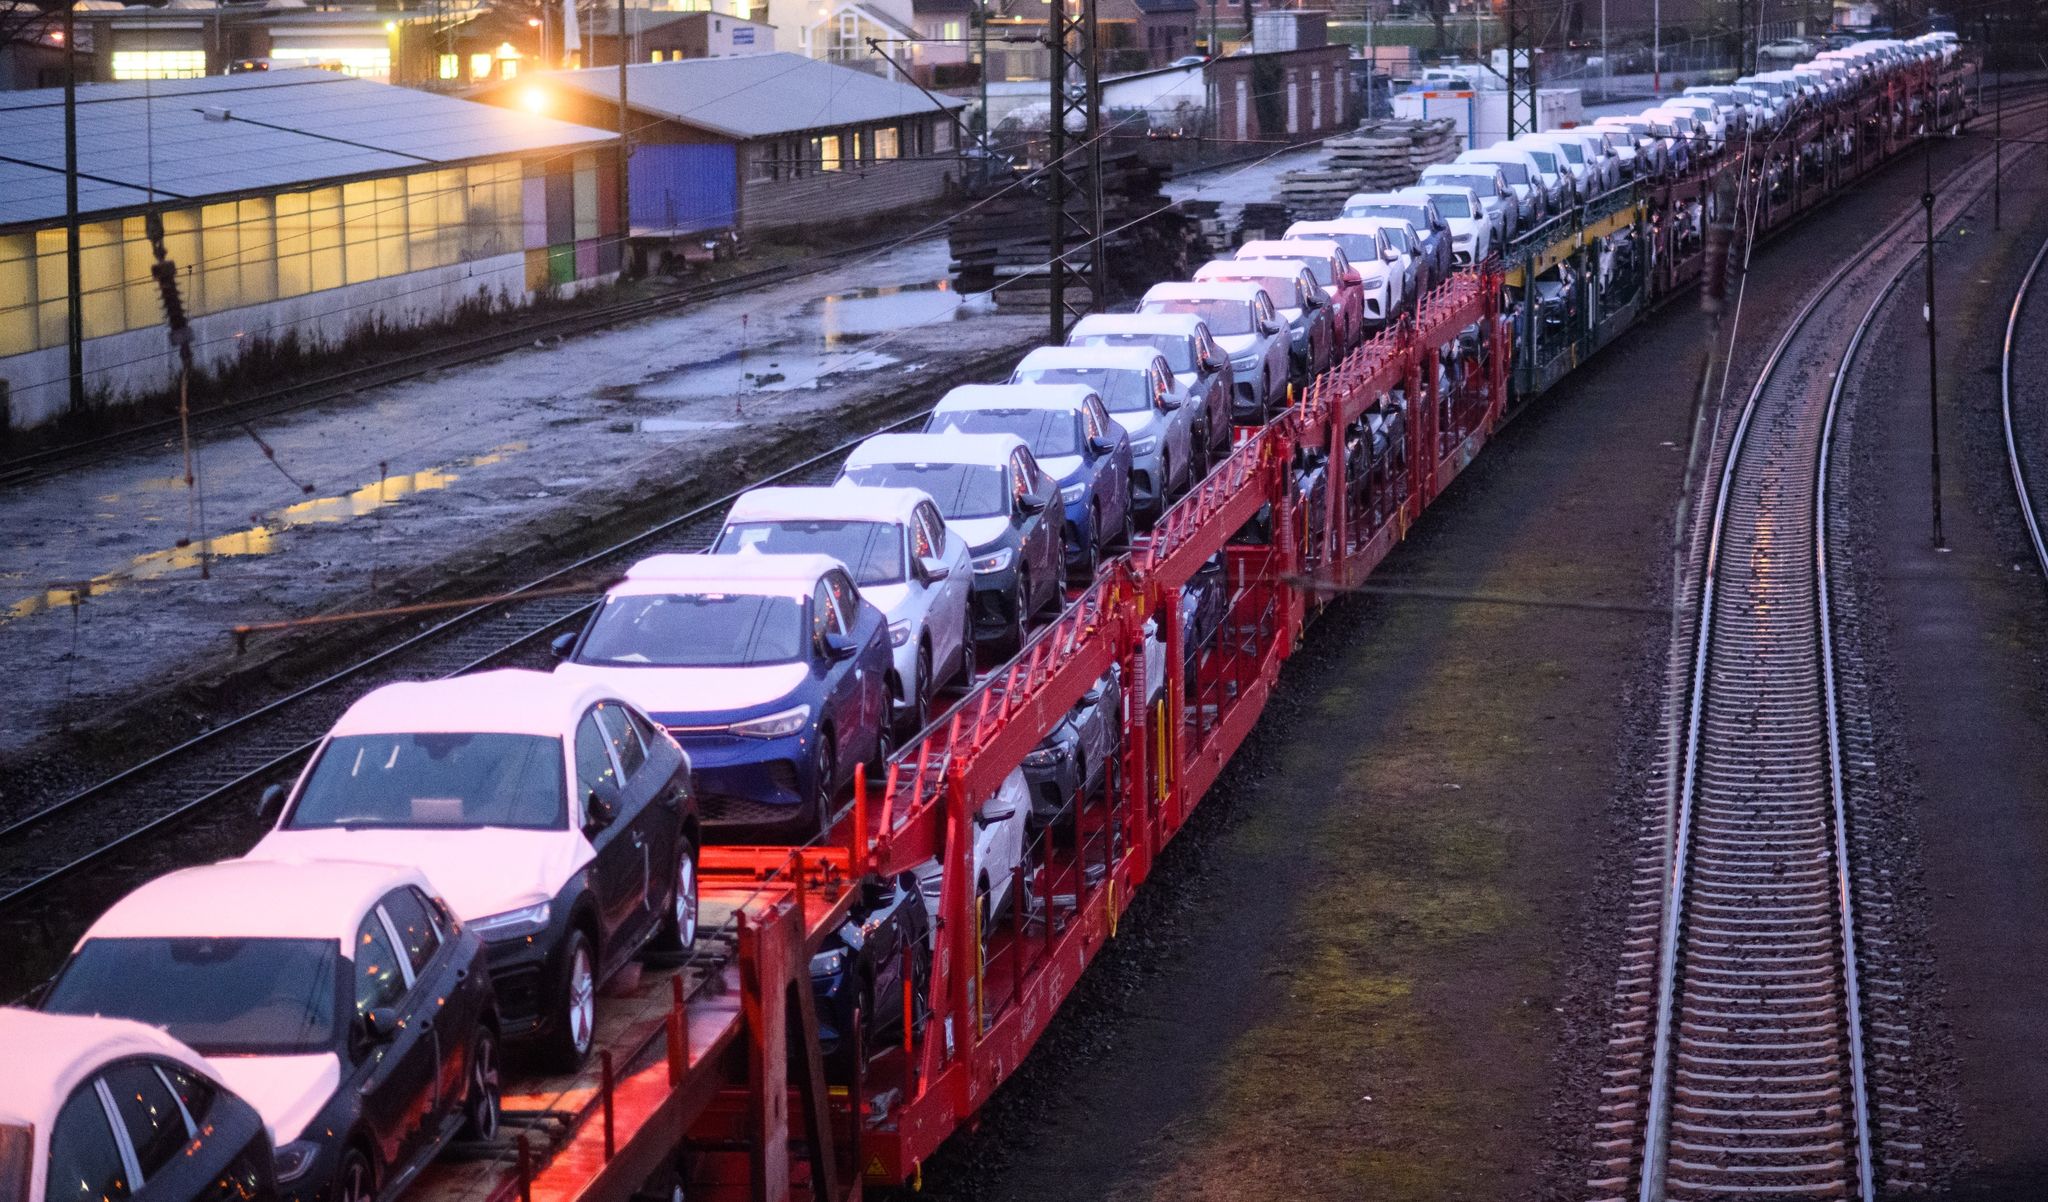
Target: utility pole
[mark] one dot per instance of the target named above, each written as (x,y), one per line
(625,45)
(1656,48)
(1074,172)
(1933,375)
(1606,59)
(74,321)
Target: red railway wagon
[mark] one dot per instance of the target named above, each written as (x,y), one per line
(711,1084)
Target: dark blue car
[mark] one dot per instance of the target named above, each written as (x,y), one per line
(770,670)
(1075,442)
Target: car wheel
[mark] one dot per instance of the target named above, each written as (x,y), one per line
(679,926)
(825,791)
(355,1181)
(1020,615)
(968,666)
(885,746)
(1091,547)
(575,1006)
(921,697)
(480,1108)
(1198,458)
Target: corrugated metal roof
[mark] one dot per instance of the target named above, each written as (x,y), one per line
(754,96)
(287,129)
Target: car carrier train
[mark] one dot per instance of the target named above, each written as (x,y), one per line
(780,932)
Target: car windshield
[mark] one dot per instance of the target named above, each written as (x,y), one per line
(1544,159)
(1517,173)
(1450,204)
(1121,390)
(1282,288)
(872,550)
(694,630)
(1177,349)
(1482,184)
(1048,432)
(1573,151)
(1414,215)
(223,997)
(1359,248)
(961,490)
(1318,270)
(434,780)
(1223,317)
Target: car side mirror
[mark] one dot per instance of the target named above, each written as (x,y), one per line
(1212,363)
(1101,444)
(875,892)
(991,817)
(1352,279)
(1168,402)
(598,812)
(1092,696)
(562,644)
(380,1024)
(1029,504)
(839,646)
(271,804)
(1270,327)
(1391,255)
(934,570)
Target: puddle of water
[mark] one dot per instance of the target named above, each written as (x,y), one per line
(772,369)
(682,425)
(864,312)
(261,539)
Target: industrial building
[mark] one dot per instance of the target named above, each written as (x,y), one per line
(759,141)
(300,206)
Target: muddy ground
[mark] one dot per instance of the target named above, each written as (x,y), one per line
(1965,629)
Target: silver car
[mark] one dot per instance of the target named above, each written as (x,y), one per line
(1199,366)
(1242,319)
(905,560)
(1486,182)
(1138,389)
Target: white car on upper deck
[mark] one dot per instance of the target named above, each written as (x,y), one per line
(905,559)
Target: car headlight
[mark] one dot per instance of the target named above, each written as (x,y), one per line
(293,1159)
(513,924)
(1462,240)
(995,561)
(774,726)
(1072,492)
(1144,446)
(1044,757)
(899,633)
(1246,363)
(829,963)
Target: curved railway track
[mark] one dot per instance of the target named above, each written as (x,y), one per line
(43,847)
(2023,448)
(1742,1068)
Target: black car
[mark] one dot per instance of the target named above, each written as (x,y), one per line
(118,1109)
(341,1000)
(1079,754)
(1202,602)
(555,818)
(857,977)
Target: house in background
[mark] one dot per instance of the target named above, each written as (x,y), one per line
(758,142)
(655,36)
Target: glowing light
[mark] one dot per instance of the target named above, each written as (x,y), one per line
(534,100)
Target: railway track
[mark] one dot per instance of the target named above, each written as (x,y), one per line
(379,370)
(57,840)
(1741,1062)
(2023,447)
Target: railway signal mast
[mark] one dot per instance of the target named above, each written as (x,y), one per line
(1074,166)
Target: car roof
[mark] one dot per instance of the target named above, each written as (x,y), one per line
(1226,269)
(749,574)
(1138,323)
(49,1054)
(1051,397)
(845,502)
(283,898)
(984,450)
(1382,222)
(1479,154)
(1200,289)
(1110,358)
(513,701)
(1289,248)
(1468,167)
(1337,225)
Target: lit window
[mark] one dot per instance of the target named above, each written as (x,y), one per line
(659,56)
(825,151)
(479,66)
(950,31)
(362,64)
(510,67)
(886,143)
(159,64)
(450,65)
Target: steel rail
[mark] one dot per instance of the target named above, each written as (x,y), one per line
(1665,1051)
(553,615)
(2014,463)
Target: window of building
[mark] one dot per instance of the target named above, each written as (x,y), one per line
(943,135)
(951,31)
(159,64)
(887,144)
(761,157)
(451,66)
(825,152)
(480,66)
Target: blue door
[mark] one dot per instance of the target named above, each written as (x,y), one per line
(683,189)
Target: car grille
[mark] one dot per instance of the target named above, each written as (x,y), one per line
(726,809)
